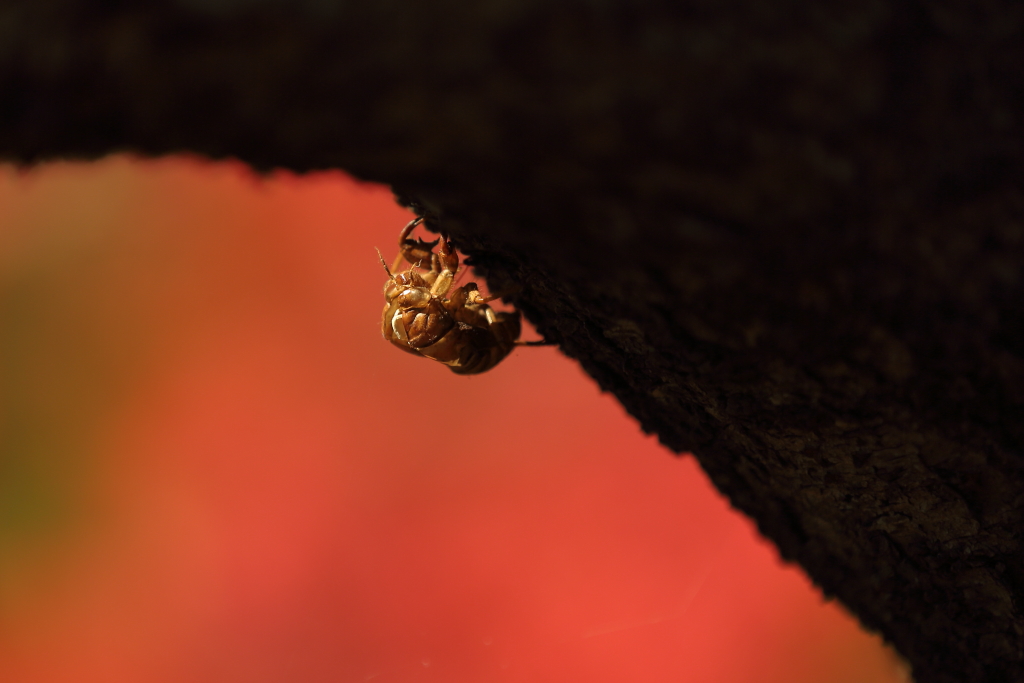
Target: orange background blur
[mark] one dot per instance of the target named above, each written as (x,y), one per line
(212,468)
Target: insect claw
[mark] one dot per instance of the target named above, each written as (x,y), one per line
(402,236)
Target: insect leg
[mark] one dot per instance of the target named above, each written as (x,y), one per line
(415,251)
(448,260)
(478,298)
(402,237)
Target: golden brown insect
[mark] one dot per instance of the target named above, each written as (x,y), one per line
(425,316)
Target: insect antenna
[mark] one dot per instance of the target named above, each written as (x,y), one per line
(386,269)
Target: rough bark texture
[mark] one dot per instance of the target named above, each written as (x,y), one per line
(789,236)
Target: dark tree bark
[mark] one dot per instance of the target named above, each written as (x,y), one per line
(788,236)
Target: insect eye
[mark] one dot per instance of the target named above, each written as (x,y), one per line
(414,298)
(410,279)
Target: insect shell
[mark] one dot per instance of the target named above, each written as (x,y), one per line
(425,316)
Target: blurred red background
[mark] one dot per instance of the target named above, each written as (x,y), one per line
(212,468)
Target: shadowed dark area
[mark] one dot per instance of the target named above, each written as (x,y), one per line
(789,236)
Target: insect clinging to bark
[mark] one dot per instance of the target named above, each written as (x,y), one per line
(425,316)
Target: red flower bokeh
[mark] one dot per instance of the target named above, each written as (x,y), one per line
(212,468)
